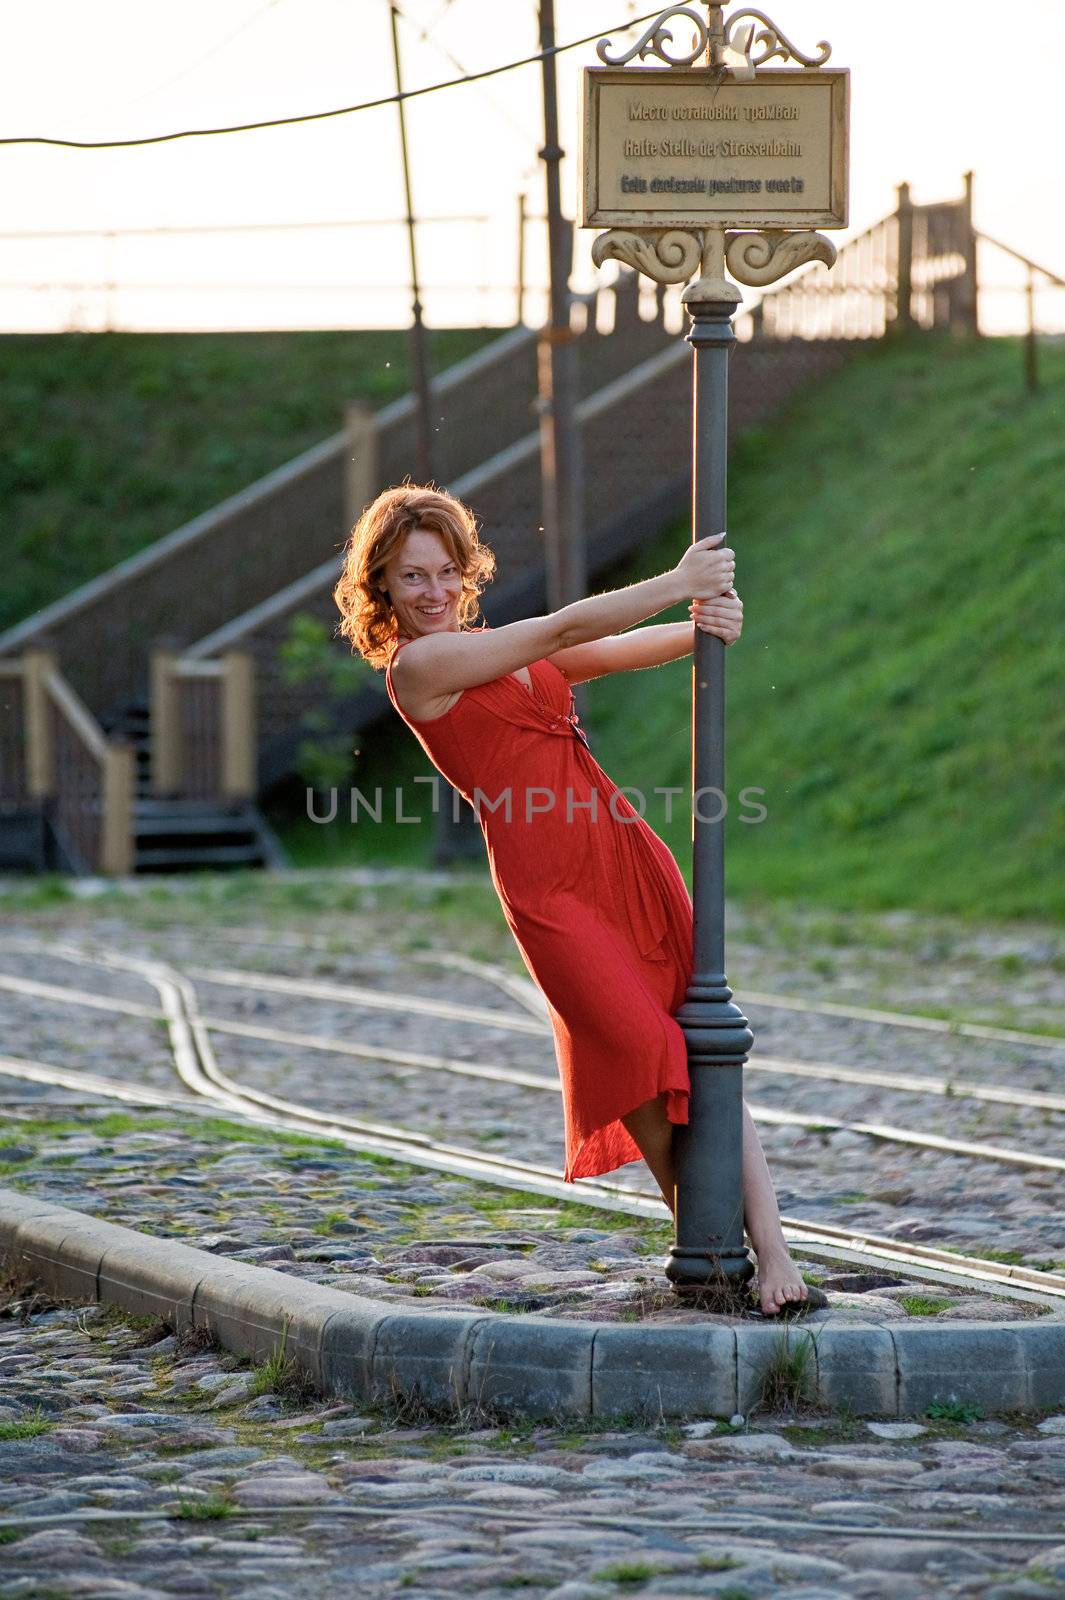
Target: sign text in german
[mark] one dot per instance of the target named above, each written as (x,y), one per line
(681,147)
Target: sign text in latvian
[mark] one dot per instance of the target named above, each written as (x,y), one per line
(676,147)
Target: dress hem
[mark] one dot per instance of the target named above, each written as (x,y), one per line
(676,1112)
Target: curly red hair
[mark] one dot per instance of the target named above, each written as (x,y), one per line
(367,618)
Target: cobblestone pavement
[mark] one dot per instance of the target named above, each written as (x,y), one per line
(194,1460)
(98,1413)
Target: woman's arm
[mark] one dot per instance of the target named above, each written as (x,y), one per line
(443,663)
(625,652)
(652,647)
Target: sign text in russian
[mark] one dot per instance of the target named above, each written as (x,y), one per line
(677,147)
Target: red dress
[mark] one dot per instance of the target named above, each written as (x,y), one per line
(593,897)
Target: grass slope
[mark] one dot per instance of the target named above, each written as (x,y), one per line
(897,691)
(111,440)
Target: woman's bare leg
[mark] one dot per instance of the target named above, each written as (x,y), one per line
(653,1132)
(779,1280)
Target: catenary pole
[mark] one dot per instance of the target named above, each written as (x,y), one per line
(419,338)
(456,834)
(519,308)
(560,454)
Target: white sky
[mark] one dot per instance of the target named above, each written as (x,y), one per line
(935,90)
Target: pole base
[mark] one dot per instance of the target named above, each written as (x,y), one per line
(699,1271)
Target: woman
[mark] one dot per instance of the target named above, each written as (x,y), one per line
(592,895)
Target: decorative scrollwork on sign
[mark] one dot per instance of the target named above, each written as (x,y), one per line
(669,255)
(774,41)
(761,258)
(657,36)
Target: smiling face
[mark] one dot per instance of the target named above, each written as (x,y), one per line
(424,584)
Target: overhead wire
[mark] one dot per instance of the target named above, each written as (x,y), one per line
(319,116)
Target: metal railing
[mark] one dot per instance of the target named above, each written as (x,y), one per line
(914,269)
(203,726)
(55,754)
(1037,284)
(855,299)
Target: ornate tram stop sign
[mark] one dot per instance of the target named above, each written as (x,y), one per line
(712,164)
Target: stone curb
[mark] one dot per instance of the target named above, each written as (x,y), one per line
(526,1365)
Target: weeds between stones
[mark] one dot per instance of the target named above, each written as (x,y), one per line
(920,1305)
(21,1296)
(280,1374)
(725,1298)
(27,1427)
(786,1378)
(211,1509)
(158,1328)
(954,1411)
(626,1573)
(193,1341)
(411,1409)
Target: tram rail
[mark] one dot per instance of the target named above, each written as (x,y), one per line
(819,1241)
(539,1082)
(198,1070)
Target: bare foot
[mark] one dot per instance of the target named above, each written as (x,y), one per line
(780,1282)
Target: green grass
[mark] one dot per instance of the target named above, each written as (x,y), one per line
(331,1221)
(26,1427)
(1010,1258)
(921,1305)
(788,1375)
(280,1374)
(112,440)
(116,1123)
(211,1509)
(628,1574)
(953,1411)
(810,1437)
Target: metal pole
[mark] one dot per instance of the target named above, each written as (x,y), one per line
(557,368)
(972,282)
(419,340)
(904,280)
(708,1151)
(456,834)
(1031,349)
(520,318)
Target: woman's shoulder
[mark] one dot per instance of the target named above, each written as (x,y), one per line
(402,642)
